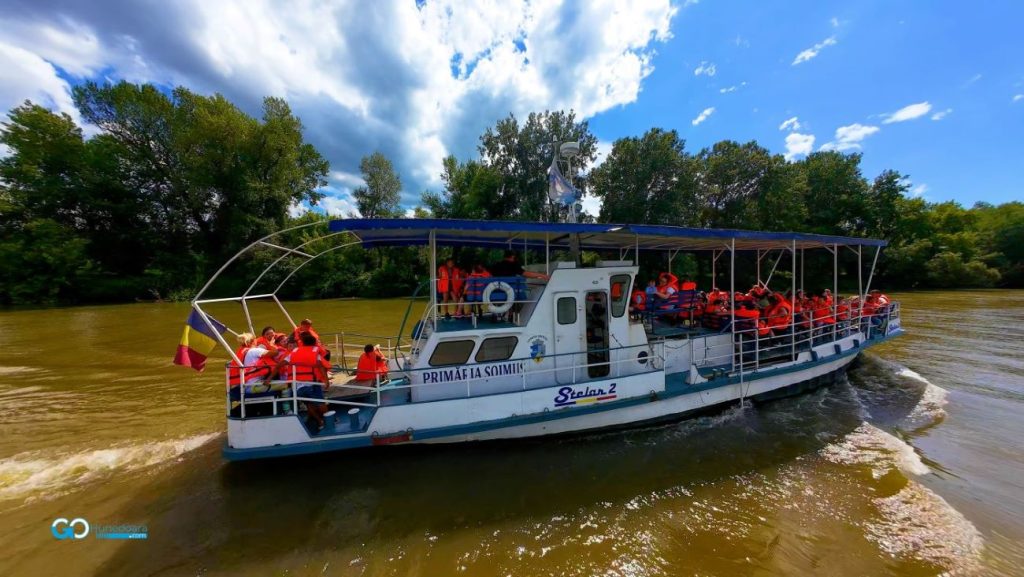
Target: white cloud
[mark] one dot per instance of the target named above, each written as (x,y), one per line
(798,145)
(25,75)
(733,88)
(941,114)
(835,22)
(1018,97)
(849,137)
(791,124)
(705,68)
(814,50)
(972,80)
(428,87)
(591,205)
(338,204)
(702,116)
(919,190)
(909,112)
(297,209)
(347,179)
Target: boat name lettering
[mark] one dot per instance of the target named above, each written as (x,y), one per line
(571,396)
(470,372)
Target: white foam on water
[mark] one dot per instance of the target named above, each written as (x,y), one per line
(883,452)
(32,476)
(917,524)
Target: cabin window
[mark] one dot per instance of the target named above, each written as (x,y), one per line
(451,353)
(496,349)
(566,310)
(620,294)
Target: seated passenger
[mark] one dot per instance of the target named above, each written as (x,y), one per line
(266,338)
(671,279)
(305,326)
(665,289)
(308,364)
(249,354)
(372,367)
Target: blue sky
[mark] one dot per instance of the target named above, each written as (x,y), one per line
(960,57)
(927,88)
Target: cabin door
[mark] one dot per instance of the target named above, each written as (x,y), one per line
(568,338)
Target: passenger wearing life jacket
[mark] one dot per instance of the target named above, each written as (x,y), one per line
(779,314)
(306,326)
(372,367)
(475,285)
(308,364)
(670,279)
(639,299)
(266,337)
(820,312)
(249,354)
(446,293)
(748,318)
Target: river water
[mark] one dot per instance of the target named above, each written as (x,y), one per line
(913,465)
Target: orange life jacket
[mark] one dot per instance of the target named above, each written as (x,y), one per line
(458,280)
(443,275)
(368,366)
(673,280)
(779,314)
(639,299)
(308,363)
(298,340)
(262,369)
(688,285)
(234,369)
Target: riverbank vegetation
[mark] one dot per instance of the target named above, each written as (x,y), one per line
(170,185)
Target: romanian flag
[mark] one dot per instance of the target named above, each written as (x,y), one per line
(197,341)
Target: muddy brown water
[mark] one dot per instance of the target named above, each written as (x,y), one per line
(913,465)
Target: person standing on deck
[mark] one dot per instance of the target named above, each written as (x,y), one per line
(446,291)
(510,266)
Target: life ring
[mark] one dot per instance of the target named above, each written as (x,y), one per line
(499,308)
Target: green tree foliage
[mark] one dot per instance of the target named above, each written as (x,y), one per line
(380,197)
(646,180)
(471,190)
(173,185)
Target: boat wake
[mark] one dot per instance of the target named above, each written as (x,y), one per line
(33,476)
(897,396)
(913,523)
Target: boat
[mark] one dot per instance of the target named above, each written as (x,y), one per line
(573,351)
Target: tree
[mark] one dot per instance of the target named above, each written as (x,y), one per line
(745,186)
(521,156)
(380,197)
(215,177)
(836,193)
(471,190)
(647,180)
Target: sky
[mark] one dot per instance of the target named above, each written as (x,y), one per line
(934,90)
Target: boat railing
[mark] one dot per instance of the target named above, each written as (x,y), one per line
(756,344)
(283,394)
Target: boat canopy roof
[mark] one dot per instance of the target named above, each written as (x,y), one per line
(375,232)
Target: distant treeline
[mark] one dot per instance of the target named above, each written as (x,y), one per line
(174,184)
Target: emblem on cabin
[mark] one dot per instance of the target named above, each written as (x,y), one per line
(538,347)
